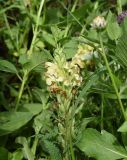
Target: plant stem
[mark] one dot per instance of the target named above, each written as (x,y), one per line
(71,147)
(21,90)
(102,113)
(112,78)
(35,32)
(119,5)
(34,147)
(25,77)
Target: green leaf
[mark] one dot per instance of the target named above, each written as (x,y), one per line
(28,154)
(57,33)
(70,48)
(47,37)
(124,25)
(121,50)
(7,66)
(101,146)
(52,150)
(53,15)
(123,2)
(17,155)
(92,80)
(37,60)
(113,30)
(124,139)
(111,17)
(123,127)
(23,59)
(11,121)
(33,108)
(41,95)
(3,153)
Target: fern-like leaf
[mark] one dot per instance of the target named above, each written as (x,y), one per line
(52,150)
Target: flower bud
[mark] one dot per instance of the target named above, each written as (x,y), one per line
(121,17)
(98,22)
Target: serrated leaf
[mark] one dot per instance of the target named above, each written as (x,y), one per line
(57,33)
(113,30)
(121,50)
(11,121)
(52,150)
(7,66)
(101,146)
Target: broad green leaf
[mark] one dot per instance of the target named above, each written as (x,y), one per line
(113,30)
(17,155)
(7,66)
(92,34)
(124,139)
(101,146)
(11,121)
(79,12)
(43,121)
(3,154)
(41,95)
(33,108)
(111,17)
(37,60)
(123,2)
(70,48)
(47,37)
(123,127)
(23,59)
(121,50)
(53,15)
(92,80)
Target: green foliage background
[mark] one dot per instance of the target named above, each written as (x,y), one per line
(30,31)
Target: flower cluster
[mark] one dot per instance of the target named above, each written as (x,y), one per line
(121,17)
(98,22)
(83,56)
(67,74)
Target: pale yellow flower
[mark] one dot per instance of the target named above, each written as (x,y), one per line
(84,54)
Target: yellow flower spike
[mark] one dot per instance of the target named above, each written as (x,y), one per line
(60,79)
(66,83)
(48,81)
(49,64)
